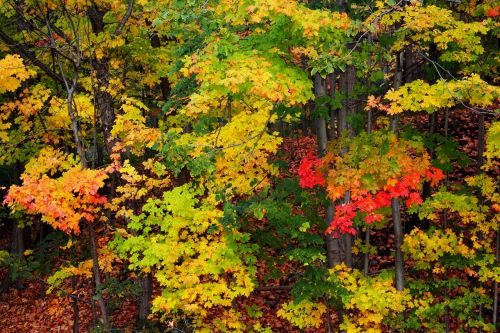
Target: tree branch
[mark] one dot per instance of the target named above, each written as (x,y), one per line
(27,54)
(272,288)
(125,18)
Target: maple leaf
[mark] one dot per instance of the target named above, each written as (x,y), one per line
(414,198)
(493,12)
(13,73)
(434,175)
(373,218)
(310,173)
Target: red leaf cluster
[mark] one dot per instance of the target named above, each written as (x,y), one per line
(369,204)
(310,173)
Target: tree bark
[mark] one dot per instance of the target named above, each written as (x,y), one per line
(97,276)
(495,284)
(332,244)
(349,107)
(103,99)
(426,190)
(145,300)
(398,241)
(395,202)
(347,239)
(164,82)
(333,251)
(332,132)
(480,142)
(17,249)
(76,311)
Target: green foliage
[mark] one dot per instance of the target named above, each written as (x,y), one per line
(19,267)
(197,262)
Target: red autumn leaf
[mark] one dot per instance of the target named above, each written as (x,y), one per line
(310,173)
(434,175)
(493,12)
(373,218)
(414,199)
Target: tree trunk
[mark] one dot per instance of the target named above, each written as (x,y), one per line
(17,245)
(103,99)
(395,202)
(93,242)
(97,276)
(76,311)
(164,82)
(347,241)
(398,241)
(366,255)
(145,300)
(332,132)
(426,190)
(320,123)
(333,251)
(349,107)
(366,258)
(17,249)
(480,142)
(414,220)
(495,284)
(332,244)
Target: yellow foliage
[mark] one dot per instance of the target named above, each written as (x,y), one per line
(372,299)
(492,153)
(196,261)
(310,21)
(424,25)
(420,96)
(24,110)
(83,269)
(137,186)
(50,161)
(261,81)
(13,73)
(244,146)
(305,314)
(130,127)
(426,249)
(229,321)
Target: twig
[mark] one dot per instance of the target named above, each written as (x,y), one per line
(477,110)
(387,11)
(272,288)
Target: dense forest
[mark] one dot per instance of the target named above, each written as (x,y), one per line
(249,166)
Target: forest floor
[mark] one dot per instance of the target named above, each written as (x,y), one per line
(27,308)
